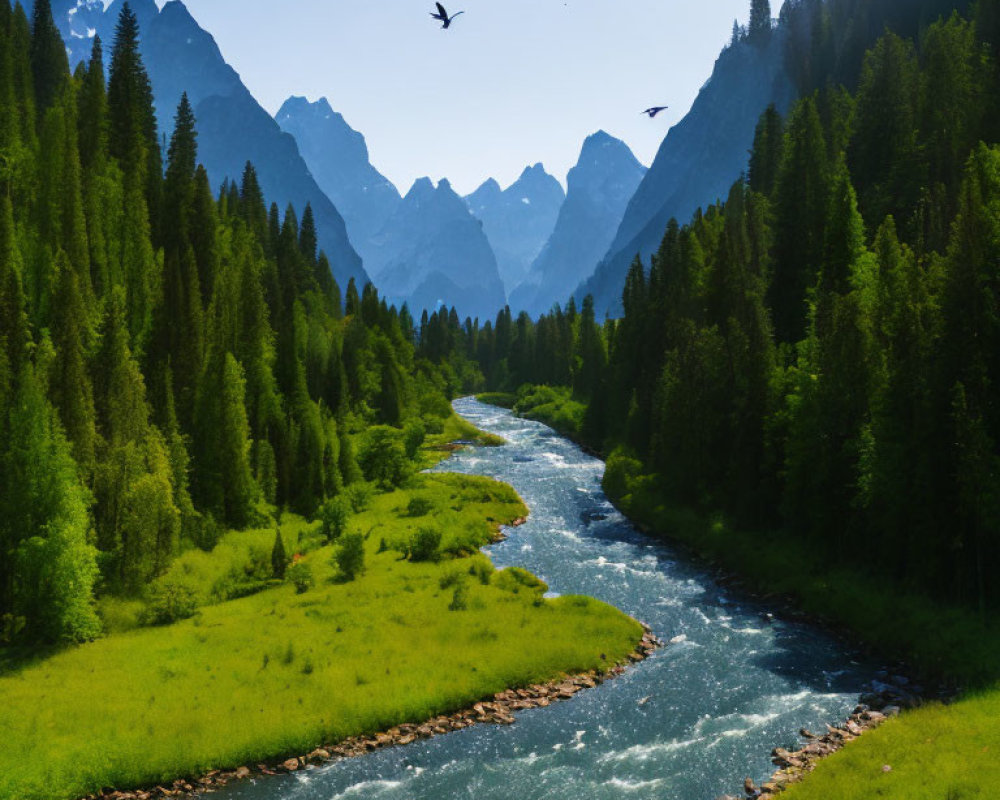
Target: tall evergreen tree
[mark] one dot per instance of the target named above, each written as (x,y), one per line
(49,64)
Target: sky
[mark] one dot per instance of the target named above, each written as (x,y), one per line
(512,83)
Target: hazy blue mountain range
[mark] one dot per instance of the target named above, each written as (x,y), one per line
(519,220)
(232,126)
(337,156)
(600,186)
(433,251)
(699,159)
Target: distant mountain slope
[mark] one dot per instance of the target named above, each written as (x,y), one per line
(600,186)
(433,251)
(337,156)
(699,159)
(519,220)
(232,127)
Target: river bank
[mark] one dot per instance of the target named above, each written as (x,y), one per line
(500,709)
(947,648)
(280,671)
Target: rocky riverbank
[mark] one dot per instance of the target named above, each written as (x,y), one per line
(882,702)
(499,710)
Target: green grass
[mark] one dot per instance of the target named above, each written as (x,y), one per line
(552,406)
(277,672)
(501,399)
(935,753)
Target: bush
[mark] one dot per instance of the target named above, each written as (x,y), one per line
(460,599)
(483,569)
(619,473)
(383,458)
(334,516)
(419,507)
(414,435)
(169,602)
(349,558)
(301,575)
(514,579)
(359,495)
(426,545)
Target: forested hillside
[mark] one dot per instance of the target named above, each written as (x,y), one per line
(819,353)
(172,363)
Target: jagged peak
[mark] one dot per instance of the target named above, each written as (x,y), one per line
(421,187)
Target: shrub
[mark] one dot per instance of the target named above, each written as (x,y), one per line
(383,458)
(169,602)
(620,471)
(349,558)
(426,545)
(460,599)
(514,579)
(359,495)
(414,435)
(419,507)
(334,516)
(301,575)
(483,569)
(449,580)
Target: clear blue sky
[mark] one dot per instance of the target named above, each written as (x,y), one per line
(513,82)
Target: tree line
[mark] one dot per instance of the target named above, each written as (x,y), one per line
(821,351)
(173,361)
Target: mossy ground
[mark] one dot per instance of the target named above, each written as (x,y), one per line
(277,672)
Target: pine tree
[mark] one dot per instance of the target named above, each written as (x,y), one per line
(70,385)
(279,556)
(800,209)
(760,21)
(132,133)
(49,64)
(92,112)
(766,155)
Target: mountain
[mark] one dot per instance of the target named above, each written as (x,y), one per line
(699,159)
(433,251)
(518,221)
(600,186)
(337,156)
(232,126)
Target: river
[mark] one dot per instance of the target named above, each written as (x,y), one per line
(690,723)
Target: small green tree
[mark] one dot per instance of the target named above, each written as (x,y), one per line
(301,576)
(334,516)
(426,545)
(349,558)
(383,459)
(414,435)
(279,557)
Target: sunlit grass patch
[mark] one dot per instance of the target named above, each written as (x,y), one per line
(279,672)
(934,753)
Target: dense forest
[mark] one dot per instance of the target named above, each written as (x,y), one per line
(172,363)
(819,352)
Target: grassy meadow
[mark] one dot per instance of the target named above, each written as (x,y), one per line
(278,672)
(933,753)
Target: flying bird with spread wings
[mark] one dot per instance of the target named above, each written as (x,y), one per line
(444,17)
(652,112)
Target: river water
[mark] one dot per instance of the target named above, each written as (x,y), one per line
(690,723)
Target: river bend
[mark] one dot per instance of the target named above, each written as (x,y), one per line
(687,724)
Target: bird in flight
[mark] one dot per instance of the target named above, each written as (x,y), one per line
(442,15)
(652,112)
